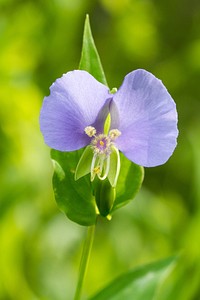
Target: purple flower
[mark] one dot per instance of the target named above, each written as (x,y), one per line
(143,119)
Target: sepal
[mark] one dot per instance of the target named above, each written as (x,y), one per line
(84,164)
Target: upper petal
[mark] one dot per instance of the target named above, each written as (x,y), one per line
(74,102)
(147,119)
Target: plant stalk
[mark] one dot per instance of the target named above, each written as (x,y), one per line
(84,261)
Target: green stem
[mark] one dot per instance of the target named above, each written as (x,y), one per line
(84,261)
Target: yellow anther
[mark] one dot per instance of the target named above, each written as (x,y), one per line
(96,170)
(90,131)
(114,133)
(101,143)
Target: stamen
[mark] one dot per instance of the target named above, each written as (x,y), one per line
(96,170)
(93,174)
(90,131)
(102,146)
(114,133)
(107,169)
(101,166)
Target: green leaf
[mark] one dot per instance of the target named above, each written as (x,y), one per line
(129,182)
(142,283)
(90,60)
(74,198)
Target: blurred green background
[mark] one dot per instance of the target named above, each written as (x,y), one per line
(39,248)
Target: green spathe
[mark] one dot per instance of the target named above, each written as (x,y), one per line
(105,197)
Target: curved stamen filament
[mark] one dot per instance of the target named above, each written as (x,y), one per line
(107,160)
(92,169)
(99,166)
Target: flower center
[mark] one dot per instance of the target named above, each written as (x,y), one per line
(101,145)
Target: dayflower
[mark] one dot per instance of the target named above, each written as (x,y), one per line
(140,119)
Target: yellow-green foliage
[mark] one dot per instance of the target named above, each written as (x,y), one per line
(39,247)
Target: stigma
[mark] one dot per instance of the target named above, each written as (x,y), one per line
(102,145)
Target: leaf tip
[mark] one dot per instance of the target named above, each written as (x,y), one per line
(87,17)
(58,170)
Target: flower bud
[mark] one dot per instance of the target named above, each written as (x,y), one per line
(104,196)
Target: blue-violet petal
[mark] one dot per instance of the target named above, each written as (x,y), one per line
(74,102)
(147,119)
